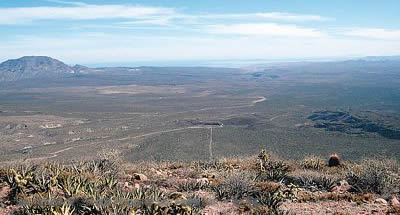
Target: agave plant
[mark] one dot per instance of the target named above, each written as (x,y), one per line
(65,209)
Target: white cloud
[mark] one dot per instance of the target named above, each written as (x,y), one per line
(163,21)
(83,12)
(261,16)
(264,29)
(292,17)
(159,33)
(67,2)
(377,33)
(85,48)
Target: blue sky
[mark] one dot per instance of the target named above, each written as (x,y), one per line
(103,32)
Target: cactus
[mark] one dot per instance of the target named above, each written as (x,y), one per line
(334,160)
(313,163)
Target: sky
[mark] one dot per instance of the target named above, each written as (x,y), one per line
(103,32)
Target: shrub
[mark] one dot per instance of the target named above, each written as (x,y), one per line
(314,181)
(234,186)
(219,165)
(196,203)
(191,185)
(313,163)
(379,176)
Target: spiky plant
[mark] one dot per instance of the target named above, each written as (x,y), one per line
(269,169)
(313,163)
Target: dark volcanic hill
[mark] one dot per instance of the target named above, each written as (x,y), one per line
(33,67)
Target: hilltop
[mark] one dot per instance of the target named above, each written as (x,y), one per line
(33,67)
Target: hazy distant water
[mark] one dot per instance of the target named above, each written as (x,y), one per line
(207,63)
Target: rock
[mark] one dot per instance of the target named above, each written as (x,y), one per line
(126,184)
(139,177)
(394,202)
(381,201)
(203,181)
(21,126)
(130,187)
(4,191)
(343,183)
(159,173)
(342,187)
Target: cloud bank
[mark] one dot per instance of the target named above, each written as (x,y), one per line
(86,33)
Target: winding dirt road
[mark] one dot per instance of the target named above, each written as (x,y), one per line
(254,102)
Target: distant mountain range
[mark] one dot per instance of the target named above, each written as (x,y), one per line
(42,67)
(381,58)
(35,67)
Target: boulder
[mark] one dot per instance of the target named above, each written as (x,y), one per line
(394,202)
(139,177)
(381,201)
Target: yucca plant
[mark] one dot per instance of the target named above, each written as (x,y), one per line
(270,169)
(191,186)
(109,183)
(315,181)
(74,185)
(271,200)
(65,209)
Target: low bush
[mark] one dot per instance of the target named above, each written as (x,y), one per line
(233,186)
(377,176)
(314,181)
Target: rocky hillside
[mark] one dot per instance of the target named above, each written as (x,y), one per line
(248,186)
(33,67)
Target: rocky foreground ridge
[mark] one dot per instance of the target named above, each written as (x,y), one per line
(261,184)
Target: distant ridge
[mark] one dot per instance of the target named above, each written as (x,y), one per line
(381,58)
(33,67)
